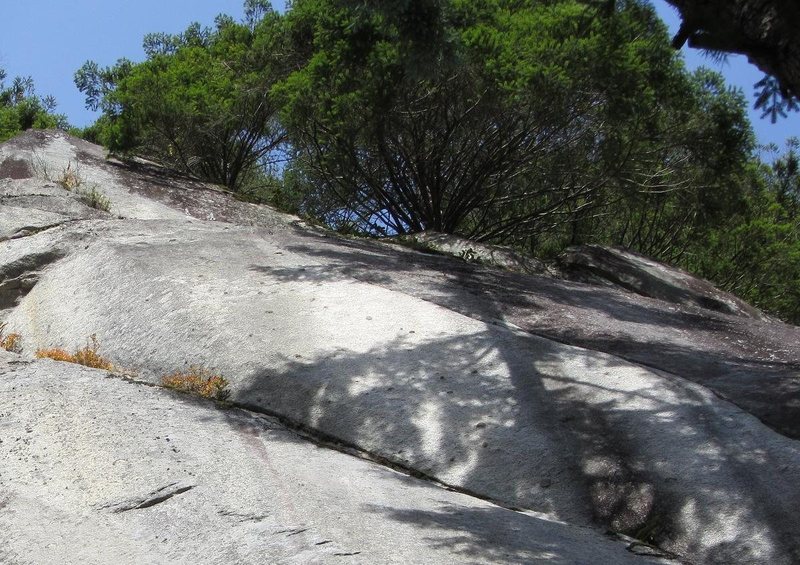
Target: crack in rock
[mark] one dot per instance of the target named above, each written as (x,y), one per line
(156,497)
(28,231)
(292,531)
(244,517)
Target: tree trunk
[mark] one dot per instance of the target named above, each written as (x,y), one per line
(766,31)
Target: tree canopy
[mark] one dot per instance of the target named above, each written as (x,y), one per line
(199,102)
(514,121)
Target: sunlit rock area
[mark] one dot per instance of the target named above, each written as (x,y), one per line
(382,403)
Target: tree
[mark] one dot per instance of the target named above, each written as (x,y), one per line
(694,168)
(755,252)
(200,102)
(498,120)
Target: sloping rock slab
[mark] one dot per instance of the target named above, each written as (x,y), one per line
(19,222)
(97,470)
(753,363)
(432,364)
(639,274)
(136,188)
(578,435)
(50,154)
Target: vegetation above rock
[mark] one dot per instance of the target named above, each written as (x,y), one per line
(21,108)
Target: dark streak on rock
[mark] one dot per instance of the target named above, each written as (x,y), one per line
(159,499)
(244,517)
(156,497)
(291,531)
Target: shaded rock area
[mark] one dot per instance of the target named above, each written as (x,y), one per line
(637,273)
(588,407)
(476,252)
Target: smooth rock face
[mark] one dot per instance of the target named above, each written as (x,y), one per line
(97,470)
(453,371)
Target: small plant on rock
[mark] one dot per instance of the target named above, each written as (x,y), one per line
(39,167)
(93,198)
(199,381)
(11,342)
(469,255)
(70,178)
(87,356)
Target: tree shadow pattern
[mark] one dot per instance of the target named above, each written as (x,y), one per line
(579,435)
(752,363)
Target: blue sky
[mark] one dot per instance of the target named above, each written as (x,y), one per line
(50,39)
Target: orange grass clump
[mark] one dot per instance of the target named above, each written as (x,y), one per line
(86,356)
(56,354)
(199,381)
(10,342)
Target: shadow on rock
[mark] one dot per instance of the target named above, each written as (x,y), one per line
(754,364)
(579,436)
(491,534)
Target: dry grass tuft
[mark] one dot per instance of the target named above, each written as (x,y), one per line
(10,342)
(86,356)
(199,381)
(57,354)
(70,178)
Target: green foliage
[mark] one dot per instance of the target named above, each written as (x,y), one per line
(772,100)
(687,173)
(756,252)
(94,198)
(516,122)
(22,109)
(200,102)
